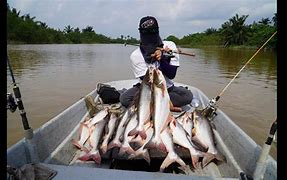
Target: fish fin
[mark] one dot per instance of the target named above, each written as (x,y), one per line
(169,119)
(104,149)
(199,144)
(171,158)
(142,134)
(76,143)
(131,156)
(85,157)
(194,160)
(133,132)
(82,125)
(114,144)
(96,157)
(146,156)
(208,157)
(140,153)
(167,161)
(162,147)
(180,161)
(121,151)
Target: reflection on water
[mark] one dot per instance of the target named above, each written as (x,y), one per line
(53,77)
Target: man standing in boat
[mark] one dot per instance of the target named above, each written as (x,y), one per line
(149,52)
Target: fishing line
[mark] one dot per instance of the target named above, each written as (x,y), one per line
(210,110)
(224,89)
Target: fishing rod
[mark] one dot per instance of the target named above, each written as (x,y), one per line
(12,105)
(260,168)
(261,162)
(178,51)
(210,110)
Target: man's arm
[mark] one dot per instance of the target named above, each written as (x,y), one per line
(167,69)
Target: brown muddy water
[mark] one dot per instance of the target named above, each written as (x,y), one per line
(53,77)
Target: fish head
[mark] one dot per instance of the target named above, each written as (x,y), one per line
(151,73)
(148,78)
(158,78)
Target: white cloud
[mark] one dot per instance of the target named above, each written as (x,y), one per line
(121,17)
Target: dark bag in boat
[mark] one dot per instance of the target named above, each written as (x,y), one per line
(108,94)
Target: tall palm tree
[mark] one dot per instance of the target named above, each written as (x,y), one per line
(264,21)
(235,31)
(88,29)
(68,29)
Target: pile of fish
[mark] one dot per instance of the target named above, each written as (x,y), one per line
(148,124)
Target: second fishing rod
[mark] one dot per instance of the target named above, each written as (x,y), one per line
(210,109)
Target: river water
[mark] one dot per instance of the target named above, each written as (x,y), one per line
(53,77)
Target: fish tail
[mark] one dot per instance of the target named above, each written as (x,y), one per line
(76,143)
(208,157)
(96,157)
(146,156)
(113,144)
(104,148)
(199,144)
(126,149)
(194,160)
(142,134)
(156,142)
(133,132)
(85,157)
(171,158)
(141,153)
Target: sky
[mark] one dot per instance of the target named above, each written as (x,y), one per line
(114,18)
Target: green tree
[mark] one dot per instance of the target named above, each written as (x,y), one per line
(88,29)
(235,31)
(173,38)
(264,21)
(68,29)
(209,31)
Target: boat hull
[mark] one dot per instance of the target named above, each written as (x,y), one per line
(53,140)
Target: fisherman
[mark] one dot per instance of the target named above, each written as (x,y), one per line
(153,50)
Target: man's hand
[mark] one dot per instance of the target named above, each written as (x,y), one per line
(157,55)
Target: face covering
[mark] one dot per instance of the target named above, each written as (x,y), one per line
(148,45)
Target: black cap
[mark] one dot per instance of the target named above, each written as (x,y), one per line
(148,25)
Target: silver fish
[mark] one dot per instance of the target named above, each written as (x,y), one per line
(143,102)
(180,137)
(171,156)
(111,128)
(98,117)
(203,135)
(116,142)
(95,136)
(142,151)
(185,120)
(161,111)
(125,147)
(84,133)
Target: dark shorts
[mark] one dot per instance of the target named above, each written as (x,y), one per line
(179,96)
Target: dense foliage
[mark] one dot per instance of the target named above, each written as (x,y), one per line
(234,32)
(25,29)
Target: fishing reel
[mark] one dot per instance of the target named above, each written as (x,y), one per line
(210,110)
(11,104)
(168,54)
